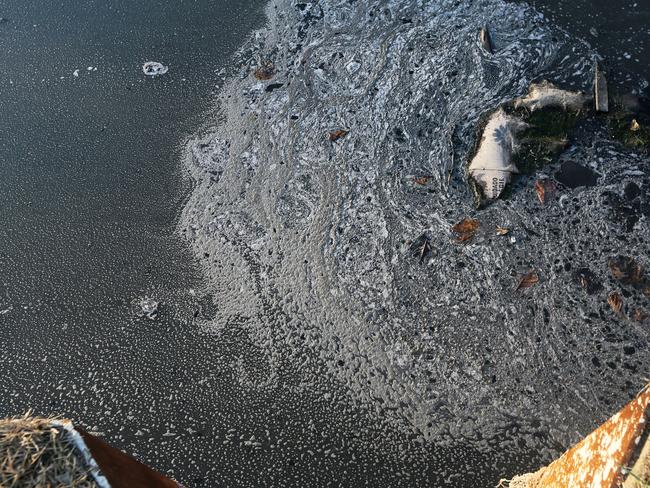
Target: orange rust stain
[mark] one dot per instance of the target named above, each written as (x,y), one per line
(596,461)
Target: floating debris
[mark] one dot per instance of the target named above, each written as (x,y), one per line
(528,280)
(153,68)
(422,180)
(147,307)
(421,247)
(492,166)
(465,229)
(601,95)
(626,270)
(544,189)
(338,134)
(265,71)
(640,315)
(486,40)
(545,94)
(615,301)
(634,126)
(502,231)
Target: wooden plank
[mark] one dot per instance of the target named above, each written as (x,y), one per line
(601,94)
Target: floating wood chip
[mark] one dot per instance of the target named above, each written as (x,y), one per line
(544,189)
(502,231)
(422,180)
(337,134)
(615,301)
(601,96)
(600,459)
(465,229)
(528,280)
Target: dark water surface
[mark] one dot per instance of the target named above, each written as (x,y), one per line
(90,191)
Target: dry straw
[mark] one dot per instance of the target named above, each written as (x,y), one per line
(41,453)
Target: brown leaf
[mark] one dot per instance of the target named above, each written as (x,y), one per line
(465,229)
(466,226)
(422,180)
(615,301)
(264,72)
(337,134)
(545,189)
(528,280)
(625,269)
(640,315)
(502,231)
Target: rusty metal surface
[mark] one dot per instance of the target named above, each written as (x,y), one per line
(597,460)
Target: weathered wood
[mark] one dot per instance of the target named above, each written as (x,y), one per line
(601,94)
(600,458)
(486,40)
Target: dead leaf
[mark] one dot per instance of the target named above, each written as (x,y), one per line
(640,315)
(421,247)
(466,225)
(465,229)
(528,280)
(502,231)
(422,180)
(337,134)
(625,269)
(264,72)
(544,189)
(634,127)
(615,301)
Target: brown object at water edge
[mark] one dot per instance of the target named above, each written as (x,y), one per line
(122,470)
(603,458)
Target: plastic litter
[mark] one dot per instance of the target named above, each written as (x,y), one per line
(153,68)
(492,166)
(148,308)
(546,94)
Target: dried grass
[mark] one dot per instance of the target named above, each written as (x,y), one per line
(530,480)
(36,453)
